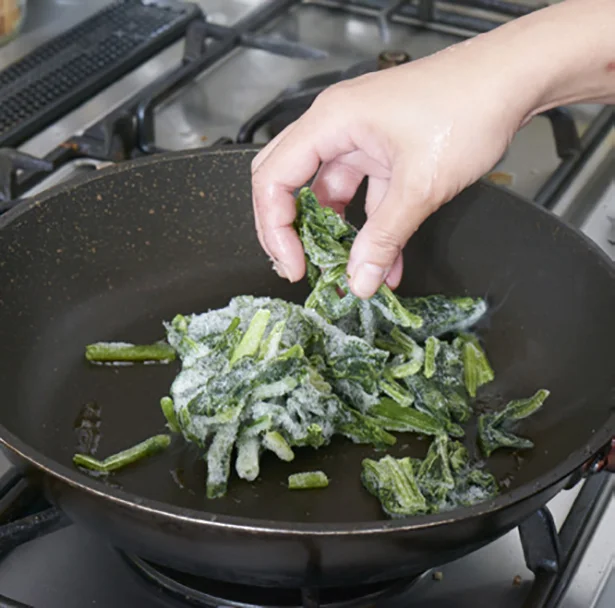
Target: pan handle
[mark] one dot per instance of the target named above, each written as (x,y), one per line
(603,461)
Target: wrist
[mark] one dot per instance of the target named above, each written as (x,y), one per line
(563,54)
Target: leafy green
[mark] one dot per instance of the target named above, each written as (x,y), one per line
(449,378)
(284,363)
(429,399)
(168,409)
(442,315)
(494,429)
(395,391)
(251,340)
(432,347)
(477,370)
(393,482)
(394,417)
(360,428)
(327,239)
(434,475)
(445,479)
(263,374)
(307,481)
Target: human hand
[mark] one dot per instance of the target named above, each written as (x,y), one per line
(420,132)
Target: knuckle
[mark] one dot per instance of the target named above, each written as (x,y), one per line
(329,99)
(387,242)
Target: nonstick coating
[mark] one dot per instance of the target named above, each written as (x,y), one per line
(111,256)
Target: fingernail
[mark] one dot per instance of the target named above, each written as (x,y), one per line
(366,280)
(280,270)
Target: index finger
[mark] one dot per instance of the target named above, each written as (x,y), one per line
(288,165)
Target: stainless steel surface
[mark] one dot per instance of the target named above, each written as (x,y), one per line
(488,575)
(75,569)
(222,98)
(607,593)
(373,7)
(594,581)
(589,202)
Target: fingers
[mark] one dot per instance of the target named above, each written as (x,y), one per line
(337,181)
(376,191)
(282,168)
(271,146)
(393,279)
(386,231)
(256,162)
(277,235)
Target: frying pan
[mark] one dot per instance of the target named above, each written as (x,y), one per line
(111,255)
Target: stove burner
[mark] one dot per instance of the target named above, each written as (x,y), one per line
(199,591)
(296,100)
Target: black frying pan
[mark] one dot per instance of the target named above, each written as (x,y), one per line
(112,255)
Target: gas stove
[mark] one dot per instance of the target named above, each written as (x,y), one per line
(230,71)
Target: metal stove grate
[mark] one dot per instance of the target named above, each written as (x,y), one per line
(208,593)
(552,556)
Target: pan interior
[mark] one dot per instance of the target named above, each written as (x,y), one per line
(111,258)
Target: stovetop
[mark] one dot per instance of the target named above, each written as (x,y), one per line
(564,161)
(542,162)
(224,96)
(73,568)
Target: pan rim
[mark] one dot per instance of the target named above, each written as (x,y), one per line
(122,498)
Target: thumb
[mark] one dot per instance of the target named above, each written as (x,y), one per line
(384,235)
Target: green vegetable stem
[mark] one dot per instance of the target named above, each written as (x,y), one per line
(116,352)
(307,481)
(142,450)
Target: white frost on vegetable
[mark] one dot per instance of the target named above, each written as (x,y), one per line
(277,379)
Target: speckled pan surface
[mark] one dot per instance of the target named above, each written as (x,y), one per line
(112,255)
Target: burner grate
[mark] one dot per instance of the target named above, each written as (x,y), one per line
(436,14)
(129,130)
(208,593)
